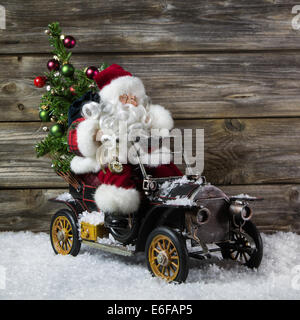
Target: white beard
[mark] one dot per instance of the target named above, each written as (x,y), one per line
(135,120)
(134,117)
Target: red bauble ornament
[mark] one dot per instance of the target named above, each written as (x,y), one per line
(53,65)
(72,90)
(40,81)
(91,72)
(69,42)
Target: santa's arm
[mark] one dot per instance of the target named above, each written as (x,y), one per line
(162,122)
(161,118)
(82,142)
(82,137)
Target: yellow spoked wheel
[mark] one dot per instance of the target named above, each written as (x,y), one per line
(167,256)
(64,233)
(163,258)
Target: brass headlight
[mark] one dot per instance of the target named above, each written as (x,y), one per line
(203,216)
(240,209)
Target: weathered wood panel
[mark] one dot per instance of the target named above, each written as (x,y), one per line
(250,151)
(30,210)
(18,162)
(27,209)
(191,86)
(237,151)
(139,26)
(280,209)
(194,58)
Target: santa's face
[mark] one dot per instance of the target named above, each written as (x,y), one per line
(124,117)
(130,110)
(127,108)
(128,99)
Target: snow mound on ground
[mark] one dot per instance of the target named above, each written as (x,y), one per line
(33,271)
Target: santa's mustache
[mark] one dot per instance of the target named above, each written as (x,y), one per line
(132,115)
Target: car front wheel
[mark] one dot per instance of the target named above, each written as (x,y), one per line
(167,255)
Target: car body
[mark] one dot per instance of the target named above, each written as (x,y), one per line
(180,218)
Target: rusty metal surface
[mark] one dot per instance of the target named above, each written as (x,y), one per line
(185,189)
(208,192)
(217,227)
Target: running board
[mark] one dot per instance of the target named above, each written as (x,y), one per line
(200,255)
(117,249)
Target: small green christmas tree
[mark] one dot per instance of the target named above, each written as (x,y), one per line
(65,84)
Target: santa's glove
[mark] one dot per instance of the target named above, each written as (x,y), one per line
(161,118)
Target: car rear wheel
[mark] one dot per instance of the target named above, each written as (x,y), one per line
(64,233)
(167,255)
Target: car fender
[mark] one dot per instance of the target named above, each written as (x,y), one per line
(76,206)
(158,215)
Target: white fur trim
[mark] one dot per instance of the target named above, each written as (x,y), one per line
(86,131)
(80,165)
(161,118)
(119,86)
(91,110)
(112,199)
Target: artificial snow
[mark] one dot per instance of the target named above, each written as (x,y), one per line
(94,218)
(184,201)
(65,197)
(242,196)
(29,269)
(111,241)
(169,185)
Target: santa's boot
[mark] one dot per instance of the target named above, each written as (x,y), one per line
(115,221)
(117,201)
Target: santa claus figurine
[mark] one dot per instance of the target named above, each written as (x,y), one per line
(94,138)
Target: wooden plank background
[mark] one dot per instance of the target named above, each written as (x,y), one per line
(230,67)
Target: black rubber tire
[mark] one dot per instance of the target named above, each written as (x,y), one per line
(256,258)
(180,245)
(126,236)
(76,245)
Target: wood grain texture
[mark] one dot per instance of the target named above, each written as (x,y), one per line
(30,210)
(237,151)
(250,151)
(27,209)
(152,25)
(19,166)
(191,86)
(280,209)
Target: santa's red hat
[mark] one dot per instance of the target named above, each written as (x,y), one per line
(106,76)
(115,81)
